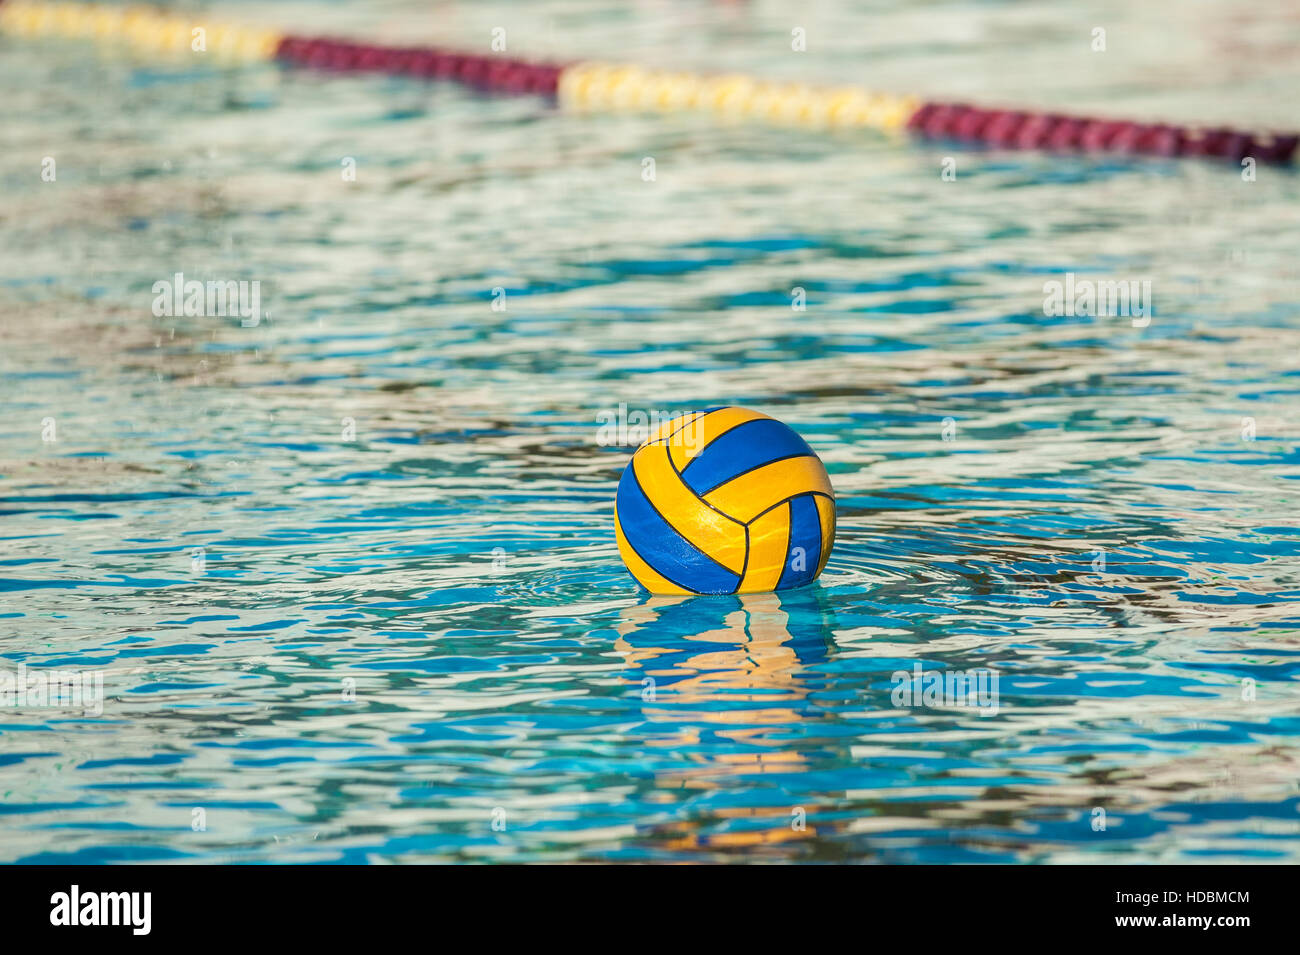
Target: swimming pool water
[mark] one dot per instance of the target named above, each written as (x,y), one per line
(349,573)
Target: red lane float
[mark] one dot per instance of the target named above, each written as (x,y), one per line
(1017,129)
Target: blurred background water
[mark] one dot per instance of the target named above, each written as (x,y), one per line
(388,485)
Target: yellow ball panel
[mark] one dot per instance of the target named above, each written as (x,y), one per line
(754,492)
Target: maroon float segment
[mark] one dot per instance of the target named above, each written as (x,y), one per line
(496,73)
(1016,129)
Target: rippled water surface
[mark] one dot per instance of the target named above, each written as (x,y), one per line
(389,488)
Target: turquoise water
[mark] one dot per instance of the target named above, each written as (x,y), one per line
(348,575)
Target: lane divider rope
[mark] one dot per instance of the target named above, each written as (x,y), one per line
(616,87)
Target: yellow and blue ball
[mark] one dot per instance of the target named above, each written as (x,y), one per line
(724,501)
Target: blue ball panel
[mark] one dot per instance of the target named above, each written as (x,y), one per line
(742,449)
(805,532)
(660,546)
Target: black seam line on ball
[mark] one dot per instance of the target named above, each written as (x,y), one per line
(672,464)
(745,567)
(829,497)
(698,416)
(673,528)
(694,416)
(740,583)
(741,474)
